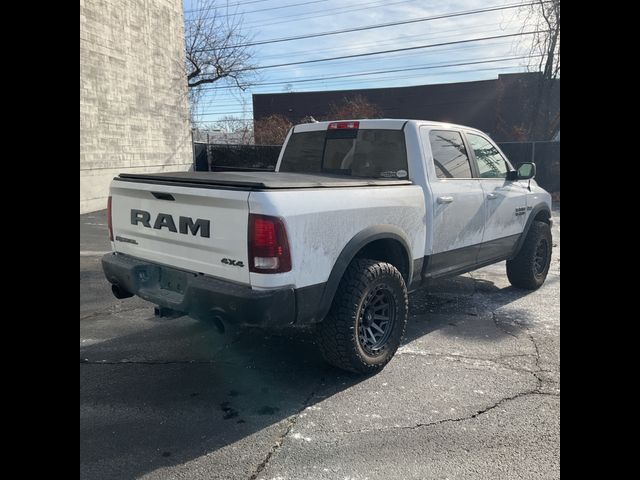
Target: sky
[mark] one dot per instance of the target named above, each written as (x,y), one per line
(272,19)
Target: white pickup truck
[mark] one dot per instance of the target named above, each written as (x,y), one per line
(356,214)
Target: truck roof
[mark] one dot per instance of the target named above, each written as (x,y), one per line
(381,123)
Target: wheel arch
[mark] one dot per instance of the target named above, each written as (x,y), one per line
(370,243)
(540,212)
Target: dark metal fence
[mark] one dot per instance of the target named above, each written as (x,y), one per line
(221,157)
(546,156)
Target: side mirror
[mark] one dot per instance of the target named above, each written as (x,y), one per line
(526,171)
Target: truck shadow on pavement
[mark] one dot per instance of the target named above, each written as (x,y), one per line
(165,391)
(463,299)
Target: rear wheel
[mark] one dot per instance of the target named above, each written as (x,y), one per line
(366,322)
(530,267)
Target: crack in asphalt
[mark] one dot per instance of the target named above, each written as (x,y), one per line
(540,382)
(537,357)
(453,420)
(274,448)
(538,367)
(291,422)
(494,361)
(536,373)
(483,411)
(497,324)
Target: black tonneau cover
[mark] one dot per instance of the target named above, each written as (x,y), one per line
(258,180)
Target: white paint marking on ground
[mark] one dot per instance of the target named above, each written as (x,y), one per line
(92,253)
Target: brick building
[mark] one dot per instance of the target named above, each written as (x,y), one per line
(498,107)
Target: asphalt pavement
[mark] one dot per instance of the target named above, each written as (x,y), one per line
(473,392)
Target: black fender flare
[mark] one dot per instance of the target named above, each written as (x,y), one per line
(541,207)
(351,249)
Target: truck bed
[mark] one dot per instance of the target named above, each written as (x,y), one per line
(257,180)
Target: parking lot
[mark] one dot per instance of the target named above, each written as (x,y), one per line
(473,392)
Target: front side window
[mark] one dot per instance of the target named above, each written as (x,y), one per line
(490,163)
(449,154)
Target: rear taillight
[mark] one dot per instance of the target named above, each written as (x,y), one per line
(343,126)
(268,245)
(109,219)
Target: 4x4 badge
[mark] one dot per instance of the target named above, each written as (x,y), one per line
(235,263)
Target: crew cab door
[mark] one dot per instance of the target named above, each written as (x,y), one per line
(458,202)
(505,200)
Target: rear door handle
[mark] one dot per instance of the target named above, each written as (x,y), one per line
(445,199)
(492,196)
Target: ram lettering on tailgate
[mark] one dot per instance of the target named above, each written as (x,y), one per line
(185,224)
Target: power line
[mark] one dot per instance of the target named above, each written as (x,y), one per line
(502,68)
(309,16)
(327,12)
(381,52)
(418,47)
(394,57)
(283,81)
(224,6)
(334,85)
(388,41)
(397,59)
(352,85)
(256,11)
(368,27)
(395,70)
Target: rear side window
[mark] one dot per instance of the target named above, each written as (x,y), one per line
(449,154)
(490,163)
(355,152)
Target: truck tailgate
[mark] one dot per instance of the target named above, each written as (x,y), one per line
(202,230)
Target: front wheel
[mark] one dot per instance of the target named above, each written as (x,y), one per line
(530,267)
(367,319)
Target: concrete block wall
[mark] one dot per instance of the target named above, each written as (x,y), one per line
(134,110)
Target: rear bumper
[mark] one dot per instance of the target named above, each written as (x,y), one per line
(201,296)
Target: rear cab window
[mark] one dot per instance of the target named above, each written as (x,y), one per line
(355,152)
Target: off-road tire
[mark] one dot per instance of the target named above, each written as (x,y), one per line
(528,270)
(338,334)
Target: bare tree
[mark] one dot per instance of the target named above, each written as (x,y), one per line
(354,107)
(272,130)
(544,16)
(235,130)
(215,48)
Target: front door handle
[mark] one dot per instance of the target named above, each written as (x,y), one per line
(492,196)
(445,199)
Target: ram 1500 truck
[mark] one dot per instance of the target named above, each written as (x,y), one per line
(356,215)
